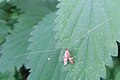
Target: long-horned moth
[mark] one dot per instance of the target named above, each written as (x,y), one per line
(67,57)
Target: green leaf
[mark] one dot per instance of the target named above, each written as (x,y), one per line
(117,76)
(1,1)
(6,0)
(44,58)
(6,76)
(4,29)
(89,28)
(16,44)
(2,14)
(34,4)
(17,75)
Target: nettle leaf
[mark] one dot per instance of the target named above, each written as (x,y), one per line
(6,0)
(89,28)
(4,29)
(7,76)
(50,4)
(16,44)
(1,1)
(116,73)
(44,58)
(117,76)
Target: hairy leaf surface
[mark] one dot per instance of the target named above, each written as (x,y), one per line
(16,44)
(35,4)
(44,62)
(89,28)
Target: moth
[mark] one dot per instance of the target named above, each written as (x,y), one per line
(68,57)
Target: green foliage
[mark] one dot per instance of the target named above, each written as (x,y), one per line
(6,0)
(88,28)
(4,29)
(91,33)
(17,75)
(18,40)
(33,5)
(118,76)
(41,60)
(6,76)
(114,73)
